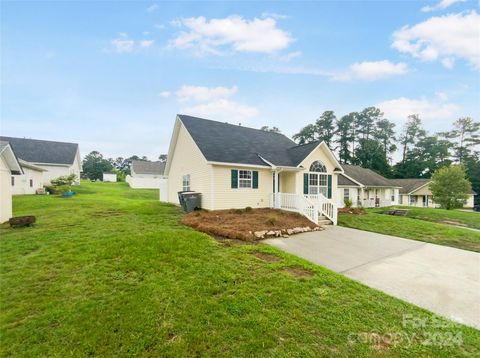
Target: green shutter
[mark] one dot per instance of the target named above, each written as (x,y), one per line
(305,183)
(255,180)
(234,178)
(329,187)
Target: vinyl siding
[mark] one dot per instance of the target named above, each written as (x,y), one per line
(227,198)
(22,182)
(5,191)
(187,159)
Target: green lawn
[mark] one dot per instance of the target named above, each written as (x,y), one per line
(452,217)
(111,272)
(420,225)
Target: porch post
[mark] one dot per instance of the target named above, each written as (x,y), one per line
(275,190)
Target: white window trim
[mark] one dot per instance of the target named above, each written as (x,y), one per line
(186,178)
(318,186)
(238,179)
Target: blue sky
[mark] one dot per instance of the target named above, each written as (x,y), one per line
(112,75)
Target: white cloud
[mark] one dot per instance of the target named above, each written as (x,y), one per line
(222,109)
(442,96)
(400,108)
(445,37)
(290,56)
(201,93)
(165,94)
(210,36)
(122,45)
(146,43)
(372,70)
(273,15)
(442,5)
(152,8)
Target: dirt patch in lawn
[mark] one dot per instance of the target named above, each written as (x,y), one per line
(453,222)
(241,224)
(106,213)
(354,211)
(266,256)
(298,271)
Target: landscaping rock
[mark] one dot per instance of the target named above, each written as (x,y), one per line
(260,234)
(271,233)
(290,231)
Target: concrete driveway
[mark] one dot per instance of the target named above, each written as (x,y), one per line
(441,279)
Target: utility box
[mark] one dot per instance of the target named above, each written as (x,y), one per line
(190,200)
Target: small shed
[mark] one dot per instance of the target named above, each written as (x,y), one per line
(110,177)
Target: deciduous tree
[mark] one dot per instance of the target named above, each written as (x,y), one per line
(449,187)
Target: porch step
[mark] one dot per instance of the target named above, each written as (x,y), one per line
(324,222)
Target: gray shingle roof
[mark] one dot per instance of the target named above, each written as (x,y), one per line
(43,151)
(366,177)
(409,185)
(343,180)
(228,143)
(145,167)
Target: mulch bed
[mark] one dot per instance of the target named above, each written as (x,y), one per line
(354,211)
(241,224)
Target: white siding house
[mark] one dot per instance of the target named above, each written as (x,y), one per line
(29,181)
(109,177)
(148,175)
(363,187)
(235,167)
(56,158)
(8,165)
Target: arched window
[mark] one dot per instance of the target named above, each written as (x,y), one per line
(318,167)
(317,179)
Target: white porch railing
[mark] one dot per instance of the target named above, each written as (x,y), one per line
(326,206)
(373,203)
(296,203)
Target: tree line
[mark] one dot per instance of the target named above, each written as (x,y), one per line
(369,140)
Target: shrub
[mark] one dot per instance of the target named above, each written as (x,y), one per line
(272,220)
(238,211)
(248,209)
(348,203)
(63,180)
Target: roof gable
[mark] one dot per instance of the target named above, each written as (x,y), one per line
(43,151)
(409,185)
(10,158)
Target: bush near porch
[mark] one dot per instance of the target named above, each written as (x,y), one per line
(241,224)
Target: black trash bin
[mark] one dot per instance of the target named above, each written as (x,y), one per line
(190,200)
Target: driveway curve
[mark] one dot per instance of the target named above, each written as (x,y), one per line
(441,279)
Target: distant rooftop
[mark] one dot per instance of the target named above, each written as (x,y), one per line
(43,151)
(146,167)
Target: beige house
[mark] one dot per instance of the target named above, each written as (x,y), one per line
(56,158)
(415,192)
(363,187)
(8,165)
(235,167)
(29,181)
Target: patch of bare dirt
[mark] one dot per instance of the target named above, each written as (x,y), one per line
(453,222)
(241,224)
(354,211)
(298,271)
(266,256)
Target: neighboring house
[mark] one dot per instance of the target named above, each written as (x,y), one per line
(147,175)
(416,192)
(8,165)
(235,167)
(366,188)
(57,158)
(29,181)
(110,177)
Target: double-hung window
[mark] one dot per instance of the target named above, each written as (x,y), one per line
(186,182)
(317,179)
(244,178)
(346,194)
